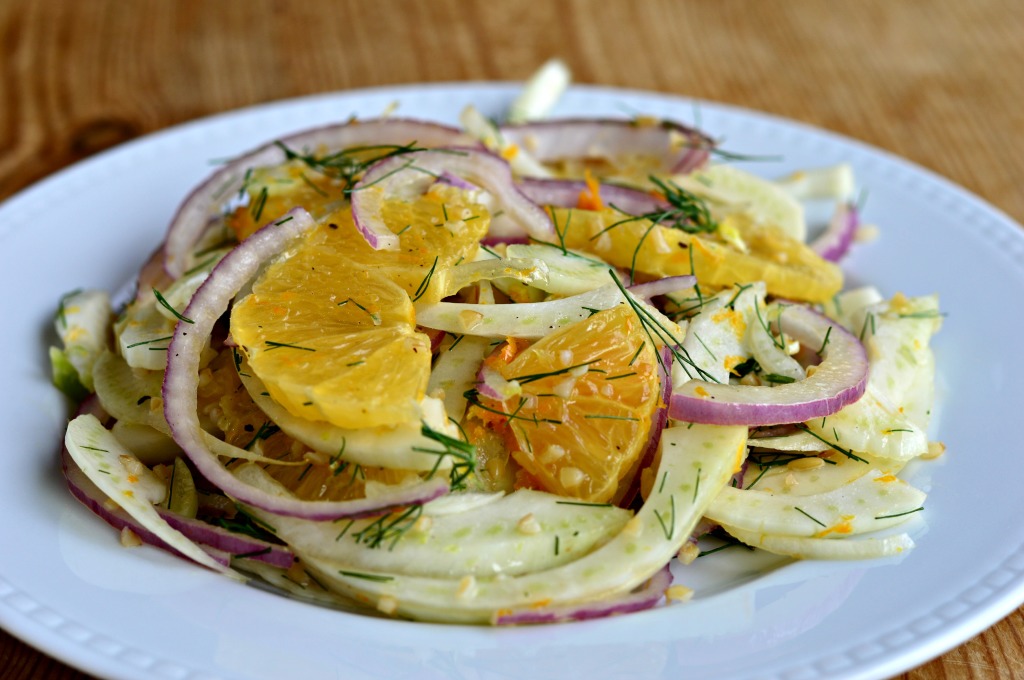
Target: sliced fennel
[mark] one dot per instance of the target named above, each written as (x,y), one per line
(835,182)
(542,91)
(82,322)
(871,502)
(716,337)
(134,396)
(102,458)
(890,420)
(804,548)
(569,273)
(696,463)
(527,320)
(512,535)
(142,335)
(454,371)
(730,190)
(403,446)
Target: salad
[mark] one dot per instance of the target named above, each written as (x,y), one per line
(505,373)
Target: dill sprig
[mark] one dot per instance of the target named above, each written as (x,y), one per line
(532,377)
(810,517)
(374,316)
(473,397)
(388,528)
(668,528)
(167,305)
(685,211)
(62,306)
(463,455)
(348,165)
(425,283)
(244,523)
(901,514)
(656,330)
(366,577)
(150,342)
(265,431)
(271,344)
(846,452)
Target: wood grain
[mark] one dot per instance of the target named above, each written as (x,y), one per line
(940,82)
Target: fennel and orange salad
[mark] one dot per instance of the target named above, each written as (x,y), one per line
(502,374)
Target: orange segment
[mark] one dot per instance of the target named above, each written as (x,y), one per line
(312,476)
(578,431)
(275,190)
(442,223)
(788,267)
(333,341)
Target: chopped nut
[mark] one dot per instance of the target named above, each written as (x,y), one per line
(133,466)
(935,450)
(571,477)
(470,319)
(528,525)
(688,553)
(551,454)
(129,538)
(314,457)
(387,604)
(678,593)
(866,233)
(808,463)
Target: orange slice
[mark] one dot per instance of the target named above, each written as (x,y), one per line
(438,230)
(754,252)
(275,190)
(589,392)
(332,340)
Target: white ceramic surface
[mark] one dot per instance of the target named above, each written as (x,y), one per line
(67,587)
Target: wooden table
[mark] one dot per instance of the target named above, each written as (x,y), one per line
(940,82)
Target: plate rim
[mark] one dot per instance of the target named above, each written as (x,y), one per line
(40,636)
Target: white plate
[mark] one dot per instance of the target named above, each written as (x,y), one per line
(68,588)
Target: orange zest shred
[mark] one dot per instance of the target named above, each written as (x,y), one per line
(844,527)
(590,198)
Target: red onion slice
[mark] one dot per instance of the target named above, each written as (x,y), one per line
(645,597)
(181,382)
(835,241)
(410,174)
(839,379)
(681,149)
(211,538)
(669,284)
(565,193)
(491,384)
(205,201)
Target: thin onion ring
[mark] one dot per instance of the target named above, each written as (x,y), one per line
(481,168)
(182,380)
(840,379)
(202,205)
